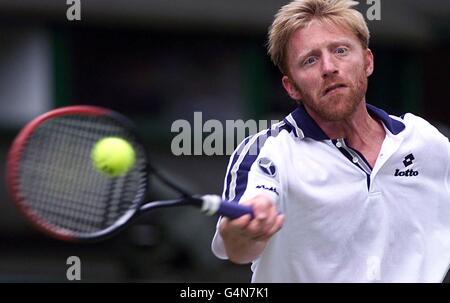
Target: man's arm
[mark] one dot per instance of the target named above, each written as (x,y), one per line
(245,238)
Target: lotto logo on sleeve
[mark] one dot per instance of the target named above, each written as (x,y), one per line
(266,165)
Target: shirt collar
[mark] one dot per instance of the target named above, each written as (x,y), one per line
(305,126)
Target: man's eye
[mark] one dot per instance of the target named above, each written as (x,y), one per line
(341,50)
(309,61)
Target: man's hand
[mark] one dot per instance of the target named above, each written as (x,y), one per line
(245,238)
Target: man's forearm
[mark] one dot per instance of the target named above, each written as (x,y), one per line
(244,250)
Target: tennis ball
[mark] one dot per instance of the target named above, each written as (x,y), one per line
(113,156)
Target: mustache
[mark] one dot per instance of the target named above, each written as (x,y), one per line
(335,83)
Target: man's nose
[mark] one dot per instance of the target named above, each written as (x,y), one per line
(329,66)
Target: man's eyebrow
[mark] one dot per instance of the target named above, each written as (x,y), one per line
(332,44)
(341,42)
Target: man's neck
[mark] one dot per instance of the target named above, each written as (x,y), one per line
(361,131)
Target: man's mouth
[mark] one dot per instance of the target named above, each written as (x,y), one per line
(333,87)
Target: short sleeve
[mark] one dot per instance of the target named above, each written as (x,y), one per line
(252,170)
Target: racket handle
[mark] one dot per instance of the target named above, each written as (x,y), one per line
(213,204)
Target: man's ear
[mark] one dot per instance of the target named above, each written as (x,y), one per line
(291,88)
(369,62)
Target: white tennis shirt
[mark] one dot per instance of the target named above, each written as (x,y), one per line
(344,220)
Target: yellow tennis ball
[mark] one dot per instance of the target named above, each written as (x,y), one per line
(113,156)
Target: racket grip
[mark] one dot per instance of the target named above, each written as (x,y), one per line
(213,204)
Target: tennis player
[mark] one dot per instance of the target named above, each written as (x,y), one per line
(341,191)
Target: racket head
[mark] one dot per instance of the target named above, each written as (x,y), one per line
(54,184)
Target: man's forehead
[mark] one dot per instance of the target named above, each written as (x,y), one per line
(319,34)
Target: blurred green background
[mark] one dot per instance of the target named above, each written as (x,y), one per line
(158,61)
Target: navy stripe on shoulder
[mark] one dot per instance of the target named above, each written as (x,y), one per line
(242,161)
(234,158)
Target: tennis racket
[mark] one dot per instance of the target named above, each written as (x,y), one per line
(54,184)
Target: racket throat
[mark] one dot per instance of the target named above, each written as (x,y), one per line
(210,204)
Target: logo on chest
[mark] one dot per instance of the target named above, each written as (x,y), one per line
(408,161)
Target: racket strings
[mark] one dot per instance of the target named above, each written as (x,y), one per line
(59,184)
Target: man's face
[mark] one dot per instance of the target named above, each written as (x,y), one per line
(328,70)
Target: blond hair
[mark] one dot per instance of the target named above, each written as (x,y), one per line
(299,14)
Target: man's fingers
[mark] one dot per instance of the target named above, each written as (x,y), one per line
(265,223)
(278,224)
(271,219)
(279,221)
(236,224)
